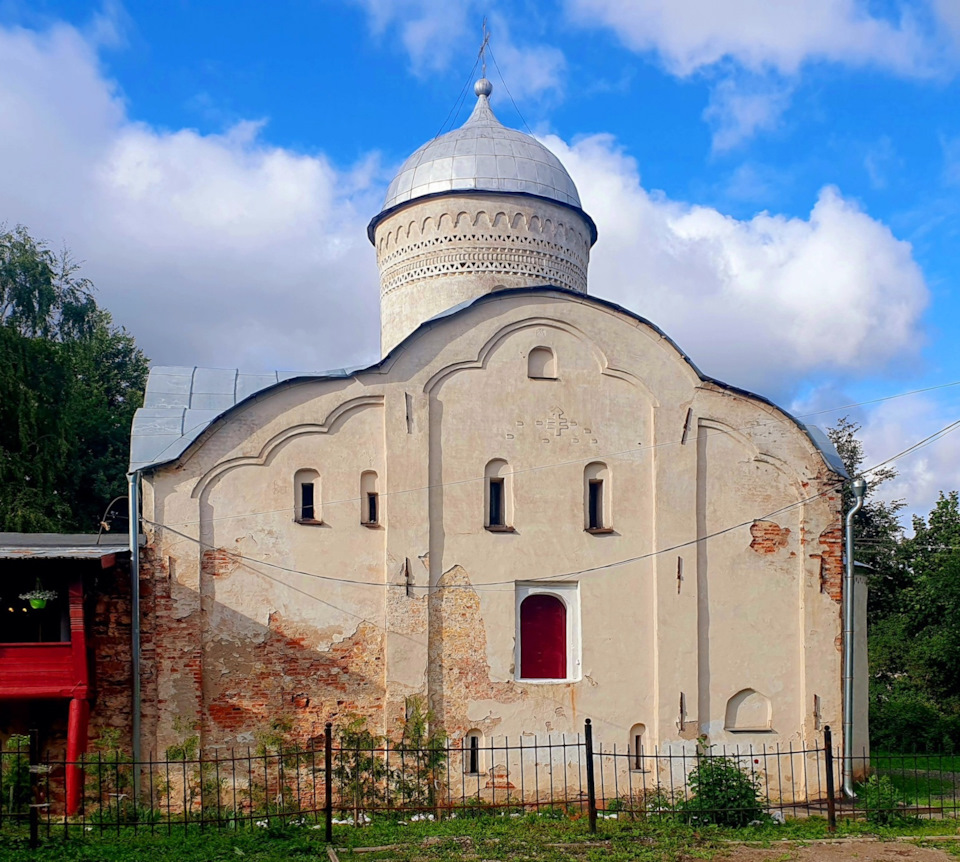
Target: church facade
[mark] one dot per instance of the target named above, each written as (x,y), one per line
(532,510)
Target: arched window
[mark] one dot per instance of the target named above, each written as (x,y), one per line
(543,637)
(369,499)
(472,749)
(498,496)
(635,747)
(306,496)
(597,506)
(542,364)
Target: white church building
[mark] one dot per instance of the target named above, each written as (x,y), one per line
(533,509)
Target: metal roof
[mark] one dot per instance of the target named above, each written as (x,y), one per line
(482,154)
(61,546)
(181,402)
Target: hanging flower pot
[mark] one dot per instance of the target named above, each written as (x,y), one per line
(38,597)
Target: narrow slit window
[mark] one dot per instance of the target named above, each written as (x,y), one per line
(497,496)
(306,502)
(306,497)
(595,504)
(496,503)
(636,747)
(369,499)
(471,761)
(597,509)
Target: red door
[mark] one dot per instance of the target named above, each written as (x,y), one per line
(543,638)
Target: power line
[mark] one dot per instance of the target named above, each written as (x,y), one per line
(834,486)
(593,457)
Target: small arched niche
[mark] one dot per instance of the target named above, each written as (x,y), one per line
(749,711)
(369,499)
(473,752)
(542,364)
(635,747)
(498,496)
(306,497)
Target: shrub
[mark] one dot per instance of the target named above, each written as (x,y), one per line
(723,793)
(15,786)
(882,800)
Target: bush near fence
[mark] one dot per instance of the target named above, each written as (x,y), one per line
(352,776)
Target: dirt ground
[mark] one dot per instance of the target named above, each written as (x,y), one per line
(845,851)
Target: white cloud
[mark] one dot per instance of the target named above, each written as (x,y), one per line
(211,249)
(429,31)
(948,13)
(754,48)
(880,159)
(742,106)
(922,475)
(689,35)
(437,36)
(760,302)
(223,250)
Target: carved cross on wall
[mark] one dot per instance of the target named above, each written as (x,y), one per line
(558,422)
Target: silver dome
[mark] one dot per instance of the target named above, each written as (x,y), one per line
(482,154)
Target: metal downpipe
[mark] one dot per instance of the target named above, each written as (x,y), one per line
(859,488)
(134,518)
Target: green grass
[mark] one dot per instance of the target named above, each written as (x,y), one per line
(902,762)
(922,780)
(490,837)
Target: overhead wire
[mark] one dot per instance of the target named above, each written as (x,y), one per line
(831,488)
(640,449)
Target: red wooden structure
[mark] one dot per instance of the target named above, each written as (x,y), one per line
(52,670)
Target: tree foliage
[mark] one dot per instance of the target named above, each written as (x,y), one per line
(913,612)
(915,646)
(876,527)
(70,382)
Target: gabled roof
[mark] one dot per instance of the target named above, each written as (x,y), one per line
(181,402)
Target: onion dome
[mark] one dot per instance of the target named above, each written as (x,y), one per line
(483,154)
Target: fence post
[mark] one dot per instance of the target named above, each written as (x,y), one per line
(591,784)
(328,780)
(831,799)
(34,765)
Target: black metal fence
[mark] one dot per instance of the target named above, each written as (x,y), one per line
(350,780)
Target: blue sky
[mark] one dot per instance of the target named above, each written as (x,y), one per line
(776,185)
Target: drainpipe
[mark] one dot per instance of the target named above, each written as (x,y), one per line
(859,488)
(134,502)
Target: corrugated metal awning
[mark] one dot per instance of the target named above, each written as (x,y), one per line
(60,546)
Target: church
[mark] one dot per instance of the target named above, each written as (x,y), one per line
(532,510)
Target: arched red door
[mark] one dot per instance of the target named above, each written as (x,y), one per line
(543,638)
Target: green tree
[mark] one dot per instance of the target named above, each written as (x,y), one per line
(876,527)
(915,648)
(70,382)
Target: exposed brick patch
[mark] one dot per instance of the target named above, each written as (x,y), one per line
(284,677)
(458,667)
(110,648)
(219,562)
(768,537)
(831,562)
